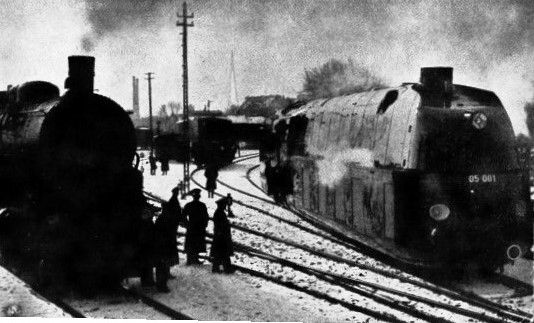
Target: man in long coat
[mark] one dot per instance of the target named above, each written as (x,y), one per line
(166,230)
(147,259)
(222,246)
(196,216)
(211,174)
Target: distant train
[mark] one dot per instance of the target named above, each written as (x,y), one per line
(70,197)
(211,139)
(143,138)
(214,138)
(428,172)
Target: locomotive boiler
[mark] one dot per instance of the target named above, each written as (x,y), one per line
(426,172)
(71,199)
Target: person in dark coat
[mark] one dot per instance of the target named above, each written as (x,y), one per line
(211,173)
(229,202)
(164,165)
(166,228)
(153,165)
(222,246)
(196,216)
(146,249)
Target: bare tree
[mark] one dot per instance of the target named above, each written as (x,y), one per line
(335,78)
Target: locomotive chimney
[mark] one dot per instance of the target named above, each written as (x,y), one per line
(437,79)
(81,74)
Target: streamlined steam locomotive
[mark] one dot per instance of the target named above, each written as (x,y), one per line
(71,199)
(426,172)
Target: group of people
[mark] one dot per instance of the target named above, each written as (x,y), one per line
(154,166)
(159,238)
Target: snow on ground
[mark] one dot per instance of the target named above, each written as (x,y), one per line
(206,296)
(203,295)
(18,299)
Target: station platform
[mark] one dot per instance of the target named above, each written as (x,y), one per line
(17,299)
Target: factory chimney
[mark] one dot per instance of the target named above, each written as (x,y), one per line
(81,74)
(135,84)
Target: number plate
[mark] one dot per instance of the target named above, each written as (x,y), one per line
(485,178)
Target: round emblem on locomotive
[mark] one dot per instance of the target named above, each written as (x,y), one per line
(480,120)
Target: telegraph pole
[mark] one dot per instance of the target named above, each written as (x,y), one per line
(150,78)
(184,24)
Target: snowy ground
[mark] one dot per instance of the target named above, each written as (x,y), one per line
(18,299)
(206,296)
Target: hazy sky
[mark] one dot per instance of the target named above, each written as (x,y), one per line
(489,43)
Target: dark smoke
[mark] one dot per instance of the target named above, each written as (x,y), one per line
(87,44)
(107,17)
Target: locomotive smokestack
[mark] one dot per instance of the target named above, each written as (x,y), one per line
(81,74)
(437,79)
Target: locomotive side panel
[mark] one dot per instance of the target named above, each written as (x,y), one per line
(363,197)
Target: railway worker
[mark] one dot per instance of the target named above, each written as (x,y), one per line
(164,165)
(229,202)
(146,247)
(166,229)
(222,246)
(211,173)
(153,165)
(195,214)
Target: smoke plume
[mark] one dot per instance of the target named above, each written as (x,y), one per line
(108,17)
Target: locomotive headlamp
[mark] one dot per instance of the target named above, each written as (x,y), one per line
(439,212)
(479,120)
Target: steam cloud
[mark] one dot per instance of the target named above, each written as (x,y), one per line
(335,163)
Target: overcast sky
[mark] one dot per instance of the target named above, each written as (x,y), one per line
(489,43)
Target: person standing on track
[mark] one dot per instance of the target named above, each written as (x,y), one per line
(196,216)
(222,246)
(153,165)
(166,228)
(164,165)
(147,246)
(211,173)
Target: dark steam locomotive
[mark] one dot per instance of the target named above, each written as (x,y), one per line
(71,199)
(427,172)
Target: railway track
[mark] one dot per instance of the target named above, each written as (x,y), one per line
(377,293)
(123,303)
(457,294)
(520,288)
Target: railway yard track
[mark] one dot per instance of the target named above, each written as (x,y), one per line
(121,304)
(320,264)
(126,302)
(281,246)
